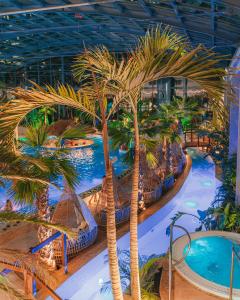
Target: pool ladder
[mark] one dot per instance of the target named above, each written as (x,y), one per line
(171,261)
(234,254)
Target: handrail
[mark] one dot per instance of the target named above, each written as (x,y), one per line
(177,262)
(170,260)
(234,254)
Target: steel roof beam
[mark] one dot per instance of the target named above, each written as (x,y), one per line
(119,7)
(213,21)
(180,19)
(54,7)
(11,34)
(146,8)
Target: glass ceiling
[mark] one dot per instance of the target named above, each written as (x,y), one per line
(35,30)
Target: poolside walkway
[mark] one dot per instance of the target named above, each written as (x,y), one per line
(182,289)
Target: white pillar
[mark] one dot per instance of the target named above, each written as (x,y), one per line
(237,196)
(234,129)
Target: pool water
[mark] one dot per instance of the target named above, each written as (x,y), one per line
(86,283)
(89,163)
(210,257)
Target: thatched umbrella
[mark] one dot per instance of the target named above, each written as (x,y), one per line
(68,211)
(72,212)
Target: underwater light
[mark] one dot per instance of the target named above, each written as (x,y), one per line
(207,183)
(191,203)
(100,281)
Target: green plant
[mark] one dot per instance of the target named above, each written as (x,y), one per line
(46,112)
(149,267)
(36,135)
(159,54)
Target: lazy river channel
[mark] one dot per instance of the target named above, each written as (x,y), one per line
(197,192)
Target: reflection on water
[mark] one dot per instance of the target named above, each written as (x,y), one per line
(89,164)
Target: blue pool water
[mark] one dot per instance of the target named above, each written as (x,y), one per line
(89,163)
(197,192)
(210,257)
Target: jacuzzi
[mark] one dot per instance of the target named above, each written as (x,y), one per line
(208,263)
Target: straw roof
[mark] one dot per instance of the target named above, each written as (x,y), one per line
(68,212)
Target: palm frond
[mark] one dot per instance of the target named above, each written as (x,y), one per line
(13,217)
(11,291)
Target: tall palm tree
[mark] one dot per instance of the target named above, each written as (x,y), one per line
(92,101)
(159,54)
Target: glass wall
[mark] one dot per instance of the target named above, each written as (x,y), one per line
(163,90)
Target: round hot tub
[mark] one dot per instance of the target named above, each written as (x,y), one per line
(208,263)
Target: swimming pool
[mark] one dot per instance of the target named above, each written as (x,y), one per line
(194,194)
(208,263)
(210,257)
(89,163)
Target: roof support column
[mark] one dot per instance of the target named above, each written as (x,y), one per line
(234,120)
(237,196)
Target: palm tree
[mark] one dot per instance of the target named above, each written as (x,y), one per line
(36,135)
(122,132)
(159,54)
(30,178)
(46,111)
(92,102)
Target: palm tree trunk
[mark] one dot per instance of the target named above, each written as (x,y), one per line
(45,118)
(141,185)
(168,158)
(134,264)
(111,222)
(46,253)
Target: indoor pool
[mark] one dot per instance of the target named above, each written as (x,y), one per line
(210,257)
(89,163)
(197,192)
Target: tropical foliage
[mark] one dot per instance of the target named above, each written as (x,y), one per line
(159,54)
(149,270)
(38,135)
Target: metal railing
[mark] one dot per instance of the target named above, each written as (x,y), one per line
(234,254)
(171,261)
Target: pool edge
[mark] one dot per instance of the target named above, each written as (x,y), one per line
(192,277)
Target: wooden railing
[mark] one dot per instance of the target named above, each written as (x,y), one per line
(192,139)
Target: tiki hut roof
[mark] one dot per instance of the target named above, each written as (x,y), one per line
(68,212)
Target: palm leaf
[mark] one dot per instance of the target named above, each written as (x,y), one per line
(13,217)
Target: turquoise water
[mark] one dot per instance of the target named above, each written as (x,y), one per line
(89,163)
(210,257)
